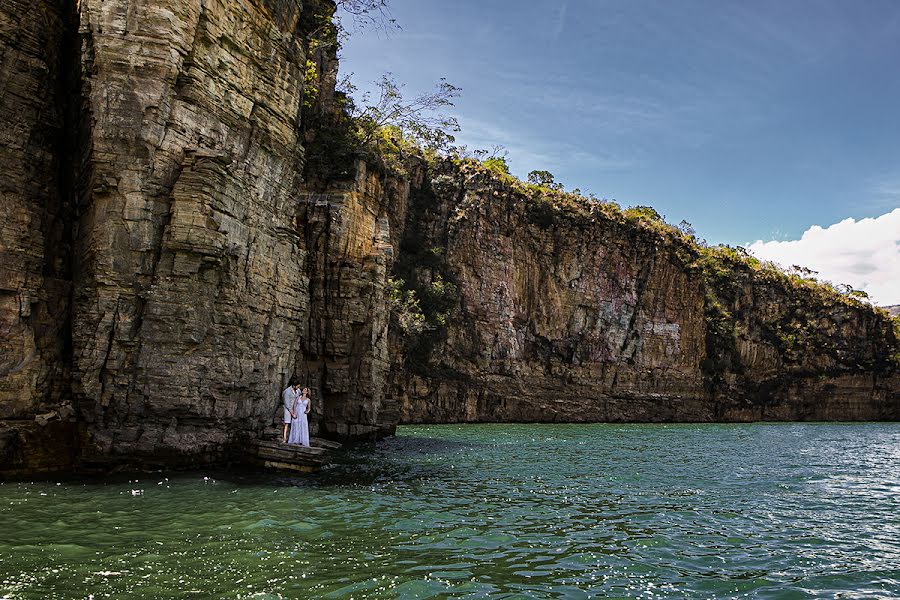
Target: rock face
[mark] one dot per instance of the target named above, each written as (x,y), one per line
(35,228)
(564,314)
(190,304)
(205,270)
(169,259)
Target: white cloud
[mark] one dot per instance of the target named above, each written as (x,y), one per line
(864,254)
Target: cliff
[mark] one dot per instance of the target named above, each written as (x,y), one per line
(179,238)
(568,310)
(166,268)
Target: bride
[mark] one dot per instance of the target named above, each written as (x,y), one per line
(300,424)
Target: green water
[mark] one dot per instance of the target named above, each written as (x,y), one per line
(488,511)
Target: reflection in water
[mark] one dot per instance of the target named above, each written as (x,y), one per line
(488,511)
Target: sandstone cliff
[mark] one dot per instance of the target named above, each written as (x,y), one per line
(566,312)
(177,240)
(165,266)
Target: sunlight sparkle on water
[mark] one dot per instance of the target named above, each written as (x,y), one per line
(488,511)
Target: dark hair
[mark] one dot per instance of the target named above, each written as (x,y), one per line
(294,380)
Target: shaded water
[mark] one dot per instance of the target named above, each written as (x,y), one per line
(489,511)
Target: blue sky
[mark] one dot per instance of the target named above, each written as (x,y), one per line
(751,120)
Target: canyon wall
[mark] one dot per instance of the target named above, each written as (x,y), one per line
(181,234)
(166,268)
(562,312)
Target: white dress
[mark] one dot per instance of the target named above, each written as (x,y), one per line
(300,424)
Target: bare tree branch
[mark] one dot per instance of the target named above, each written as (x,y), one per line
(418,119)
(369,13)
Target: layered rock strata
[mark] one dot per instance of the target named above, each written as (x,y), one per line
(183,228)
(565,314)
(206,272)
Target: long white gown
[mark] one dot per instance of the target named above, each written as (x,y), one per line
(300,424)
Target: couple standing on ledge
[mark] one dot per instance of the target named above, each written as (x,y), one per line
(296,407)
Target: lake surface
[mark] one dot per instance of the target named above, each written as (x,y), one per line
(488,511)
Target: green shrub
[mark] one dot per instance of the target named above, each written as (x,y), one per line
(310,84)
(497,164)
(643,213)
(405,307)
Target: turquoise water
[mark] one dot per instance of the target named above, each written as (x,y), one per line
(488,511)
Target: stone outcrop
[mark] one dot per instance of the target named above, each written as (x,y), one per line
(206,271)
(190,299)
(565,314)
(182,232)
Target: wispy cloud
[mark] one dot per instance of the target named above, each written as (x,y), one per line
(889,188)
(687,112)
(528,152)
(878,194)
(612,113)
(864,254)
(560,20)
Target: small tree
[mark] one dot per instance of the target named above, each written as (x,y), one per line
(848,290)
(804,272)
(405,307)
(540,177)
(417,120)
(686,228)
(544,179)
(373,13)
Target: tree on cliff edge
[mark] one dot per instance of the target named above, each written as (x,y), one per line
(386,113)
(368,12)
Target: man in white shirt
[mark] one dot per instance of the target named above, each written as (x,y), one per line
(289,398)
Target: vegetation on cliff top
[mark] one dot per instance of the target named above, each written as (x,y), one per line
(728,273)
(383,125)
(392,130)
(395,129)
(719,260)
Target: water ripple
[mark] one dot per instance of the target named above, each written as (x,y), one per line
(489,511)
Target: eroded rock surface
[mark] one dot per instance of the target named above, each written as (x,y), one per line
(179,236)
(206,271)
(563,314)
(191,298)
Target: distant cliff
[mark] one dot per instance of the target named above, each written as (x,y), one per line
(569,310)
(179,238)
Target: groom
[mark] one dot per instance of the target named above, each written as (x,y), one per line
(288,398)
